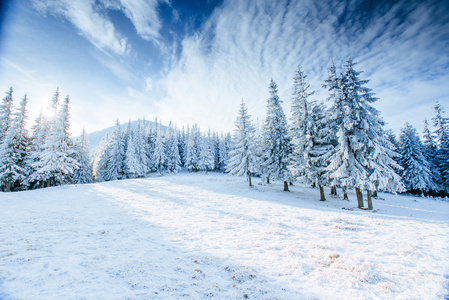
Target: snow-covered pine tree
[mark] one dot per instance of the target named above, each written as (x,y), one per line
(13,150)
(301,122)
(132,166)
(362,158)
(100,157)
(206,153)
(441,125)
(172,150)
(159,150)
(416,174)
(431,155)
(182,146)
(40,131)
(5,114)
(192,148)
(57,156)
(112,161)
(277,145)
(242,158)
(224,148)
(84,173)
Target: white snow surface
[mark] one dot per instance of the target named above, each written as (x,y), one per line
(198,236)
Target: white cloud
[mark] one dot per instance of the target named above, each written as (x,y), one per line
(92,25)
(245,43)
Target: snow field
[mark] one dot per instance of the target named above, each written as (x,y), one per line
(198,236)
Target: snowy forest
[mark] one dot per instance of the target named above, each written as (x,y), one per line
(340,142)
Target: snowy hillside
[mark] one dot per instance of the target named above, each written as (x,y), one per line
(198,236)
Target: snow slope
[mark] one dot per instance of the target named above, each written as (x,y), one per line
(198,236)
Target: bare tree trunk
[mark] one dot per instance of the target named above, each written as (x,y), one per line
(368,198)
(268,179)
(48,182)
(8,186)
(286,186)
(359,197)
(375,194)
(334,191)
(249,178)
(322,197)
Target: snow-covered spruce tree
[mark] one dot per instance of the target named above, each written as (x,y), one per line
(99,161)
(224,148)
(301,124)
(242,158)
(57,155)
(172,150)
(159,150)
(416,174)
(362,158)
(431,155)
(132,167)
(441,125)
(84,173)
(206,153)
(182,145)
(40,131)
(6,114)
(277,146)
(316,146)
(112,161)
(192,148)
(13,150)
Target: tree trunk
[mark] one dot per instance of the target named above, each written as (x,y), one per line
(374,194)
(322,197)
(368,198)
(334,191)
(249,178)
(359,197)
(286,186)
(268,179)
(8,186)
(345,193)
(48,182)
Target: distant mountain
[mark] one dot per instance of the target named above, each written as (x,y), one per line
(96,137)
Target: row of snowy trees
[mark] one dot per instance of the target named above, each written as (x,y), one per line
(343,144)
(47,156)
(137,152)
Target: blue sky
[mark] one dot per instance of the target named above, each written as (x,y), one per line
(193,61)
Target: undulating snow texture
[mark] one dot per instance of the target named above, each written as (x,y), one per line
(196,236)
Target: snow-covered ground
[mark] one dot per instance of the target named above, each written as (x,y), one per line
(198,236)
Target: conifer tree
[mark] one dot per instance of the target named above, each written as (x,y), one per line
(431,154)
(363,157)
(172,150)
(112,161)
(159,151)
(224,151)
(13,150)
(416,174)
(441,125)
(277,146)
(242,157)
(82,174)
(5,114)
(206,153)
(57,160)
(192,148)
(39,133)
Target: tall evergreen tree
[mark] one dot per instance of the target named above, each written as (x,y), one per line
(224,148)
(242,157)
(277,146)
(13,150)
(172,150)
(431,154)
(416,174)
(57,156)
(441,125)
(192,148)
(363,157)
(6,114)
(82,174)
(159,150)
(112,161)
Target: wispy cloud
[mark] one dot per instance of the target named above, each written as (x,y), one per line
(91,23)
(402,46)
